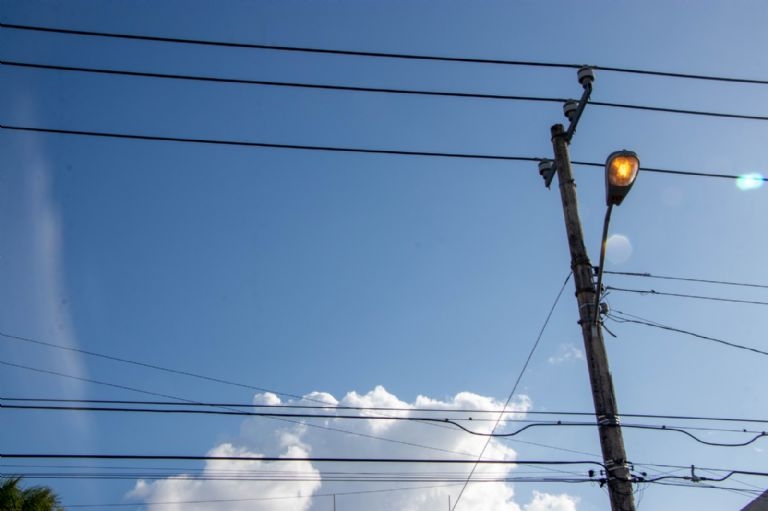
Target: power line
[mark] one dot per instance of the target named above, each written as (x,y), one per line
(244,143)
(514,387)
(256,499)
(380,409)
(179,457)
(683,295)
(319,426)
(147,365)
(306,477)
(387,55)
(234,405)
(295,477)
(625,318)
(382,90)
(676,172)
(88,380)
(144,137)
(682,111)
(303,85)
(684,279)
(452,422)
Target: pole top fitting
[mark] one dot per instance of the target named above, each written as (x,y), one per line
(570,108)
(547,170)
(557,130)
(586,76)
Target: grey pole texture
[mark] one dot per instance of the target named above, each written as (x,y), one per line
(611,441)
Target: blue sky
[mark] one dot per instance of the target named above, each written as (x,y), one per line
(307,272)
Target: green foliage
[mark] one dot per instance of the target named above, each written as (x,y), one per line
(36,498)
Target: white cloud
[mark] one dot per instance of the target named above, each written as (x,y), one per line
(322,438)
(566,353)
(549,502)
(240,495)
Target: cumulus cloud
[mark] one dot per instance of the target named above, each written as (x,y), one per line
(548,502)
(238,495)
(378,434)
(566,353)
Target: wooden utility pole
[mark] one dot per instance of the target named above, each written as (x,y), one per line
(606,411)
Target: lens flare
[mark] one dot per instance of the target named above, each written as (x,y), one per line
(618,249)
(750,181)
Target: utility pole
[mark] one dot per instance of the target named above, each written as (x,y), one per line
(611,442)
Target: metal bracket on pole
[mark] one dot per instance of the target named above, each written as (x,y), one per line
(609,420)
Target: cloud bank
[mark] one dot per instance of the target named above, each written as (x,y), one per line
(277,486)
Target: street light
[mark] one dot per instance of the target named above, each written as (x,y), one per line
(621,169)
(620,172)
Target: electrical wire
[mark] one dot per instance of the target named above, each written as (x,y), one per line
(310,477)
(514,387)
(380,409)
(383,90)
(301,85)
(149,366)
(302,459)
(627,318)
(675,172)
(685,279)
(452,422)
(387,55)
(235,405)
(683,295)
(259,499)
(243,143)
(398,152)
(318,426)
(95,382)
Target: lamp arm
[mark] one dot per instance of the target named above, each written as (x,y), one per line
(603,244)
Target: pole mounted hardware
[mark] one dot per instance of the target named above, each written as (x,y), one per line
(586,77)
(547,170)
(570,108)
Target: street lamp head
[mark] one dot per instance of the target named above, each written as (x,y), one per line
(621,169)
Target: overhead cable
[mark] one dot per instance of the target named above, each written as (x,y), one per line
(453,422)
(283,459)
(302,85)
(684,279)
(257,499)
(382,90)
(628,318)
(398,152)
(676,172)
(514,387)
(378,408)
(244,143)
(387,55)
(683,295)
(147,365)
(308,424)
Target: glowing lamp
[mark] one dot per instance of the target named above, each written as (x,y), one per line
(620,172)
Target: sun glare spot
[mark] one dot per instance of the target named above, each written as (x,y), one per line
(750,181)
(618,249)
